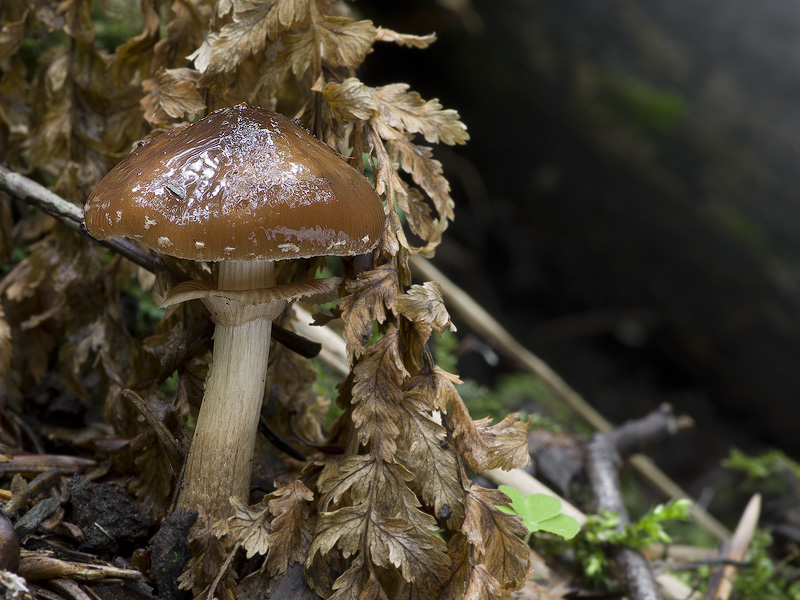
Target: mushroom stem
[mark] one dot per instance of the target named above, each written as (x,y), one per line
(221,454)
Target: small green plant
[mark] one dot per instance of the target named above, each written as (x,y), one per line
(763,578)
(540,512)
(603,530)
(772,468)
(759,577)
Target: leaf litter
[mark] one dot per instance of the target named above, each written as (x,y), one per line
(383,505)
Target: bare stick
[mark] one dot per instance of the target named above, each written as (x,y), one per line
(639,434)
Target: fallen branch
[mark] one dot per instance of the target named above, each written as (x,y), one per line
(35,566)
(602,464)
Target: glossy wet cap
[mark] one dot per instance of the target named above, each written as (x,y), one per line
(242,183)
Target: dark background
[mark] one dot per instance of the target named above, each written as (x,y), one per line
(628,203)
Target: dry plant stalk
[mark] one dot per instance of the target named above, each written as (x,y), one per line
(395,514)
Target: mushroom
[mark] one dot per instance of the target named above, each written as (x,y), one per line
(242,187)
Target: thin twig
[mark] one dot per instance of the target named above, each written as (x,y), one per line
(639,434)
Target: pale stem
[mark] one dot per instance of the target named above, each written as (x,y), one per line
(221,454)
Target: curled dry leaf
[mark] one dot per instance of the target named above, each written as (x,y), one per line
(253,25)
(377,393)
(172,94)
(368,299)
(403,110)
(425,452)
(350,101)
(209,553)
(424,304)
(496,538)
(133,58)
(367,531)
(404,39)
(292,527)
(251,527)
(343,41)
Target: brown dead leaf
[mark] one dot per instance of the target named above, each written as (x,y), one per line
(343,528)
(345,42)
(403,110)
(507,443)
(349,100)
(481,585)
(173,94)
(496,538)
(436,387)
(291,585)
(351,474)
(426,172)
(11,36)
(472,446)
(484,447)
(153,484)
(455,584)
(185,32)
(209,554)
(404,39)
(420,556)
(387,180)
(252,26)
(419,214)
(383,485)
(250,527)
(292,527)
(368,299)
(376,394)
(425,452)
(272,74)
(132,60)
(424,304)
(77,20)
(357,583)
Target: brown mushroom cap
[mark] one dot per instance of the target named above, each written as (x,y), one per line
(242,183)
